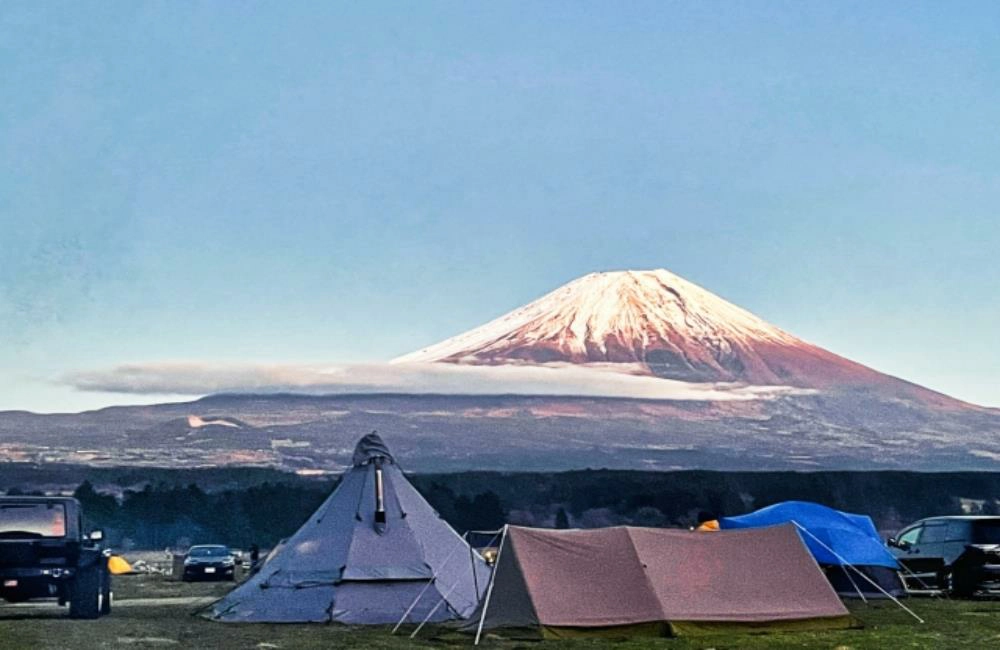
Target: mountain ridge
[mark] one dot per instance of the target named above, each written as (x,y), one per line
(672,328)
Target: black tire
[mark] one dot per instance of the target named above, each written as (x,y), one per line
(957,586)
(962,585)
(85,594)
(107,596)
(944,581)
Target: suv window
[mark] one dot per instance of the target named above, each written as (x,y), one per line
(209,551)
(956,531)
(32,519)
(986,532)
(910,536)
(934,534)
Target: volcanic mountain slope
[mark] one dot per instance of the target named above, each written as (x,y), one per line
(654,322)
(838,415)
(517,433)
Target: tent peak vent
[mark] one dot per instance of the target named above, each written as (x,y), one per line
(369,448)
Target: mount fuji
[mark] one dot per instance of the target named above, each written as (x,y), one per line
(656,323)
(697,383)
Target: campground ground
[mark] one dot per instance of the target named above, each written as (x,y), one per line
(157,613)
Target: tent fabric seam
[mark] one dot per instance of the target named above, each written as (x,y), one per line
(645,574)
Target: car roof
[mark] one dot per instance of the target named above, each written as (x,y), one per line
(36,499)
(209,546)
(959,518)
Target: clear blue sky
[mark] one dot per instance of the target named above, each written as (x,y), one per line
(350,181)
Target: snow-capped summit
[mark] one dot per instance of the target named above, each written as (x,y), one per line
(659,324)
(617,316)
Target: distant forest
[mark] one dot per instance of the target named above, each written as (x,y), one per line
(165,508)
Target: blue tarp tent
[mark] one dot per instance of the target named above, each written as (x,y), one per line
(852,537)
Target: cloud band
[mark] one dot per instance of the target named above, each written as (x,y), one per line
(598,380)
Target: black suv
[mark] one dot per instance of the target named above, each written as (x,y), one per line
(958,554)
(45,554)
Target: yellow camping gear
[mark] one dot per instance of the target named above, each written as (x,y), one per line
(118,565)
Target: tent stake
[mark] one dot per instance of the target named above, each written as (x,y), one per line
(858,571)
(489,589)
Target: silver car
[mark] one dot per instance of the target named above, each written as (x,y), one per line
(957,554)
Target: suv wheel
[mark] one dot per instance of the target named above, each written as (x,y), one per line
(107,596)
(944,581)
(85,594)
(958,586)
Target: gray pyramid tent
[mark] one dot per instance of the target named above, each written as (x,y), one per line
(367,554)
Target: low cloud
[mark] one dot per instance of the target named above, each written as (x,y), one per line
(612,380)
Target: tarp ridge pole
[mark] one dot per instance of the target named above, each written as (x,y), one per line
(489,588)
(858,571)
(429,583)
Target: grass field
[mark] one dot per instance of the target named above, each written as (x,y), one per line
(950,624)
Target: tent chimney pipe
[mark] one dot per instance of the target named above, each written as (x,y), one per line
(380,520)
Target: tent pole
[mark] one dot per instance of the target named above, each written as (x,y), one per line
(860,573)
(854,584)
(444,598)
(493,580)
(472,565)
(494,534)
(428,585)
(472,556)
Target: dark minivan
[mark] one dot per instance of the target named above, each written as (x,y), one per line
(957,554)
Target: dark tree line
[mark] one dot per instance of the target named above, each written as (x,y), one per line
(170,514)
(162,516)
(605,497)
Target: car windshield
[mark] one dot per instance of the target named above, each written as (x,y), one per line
(32,520)
(208,551)
(986,532)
